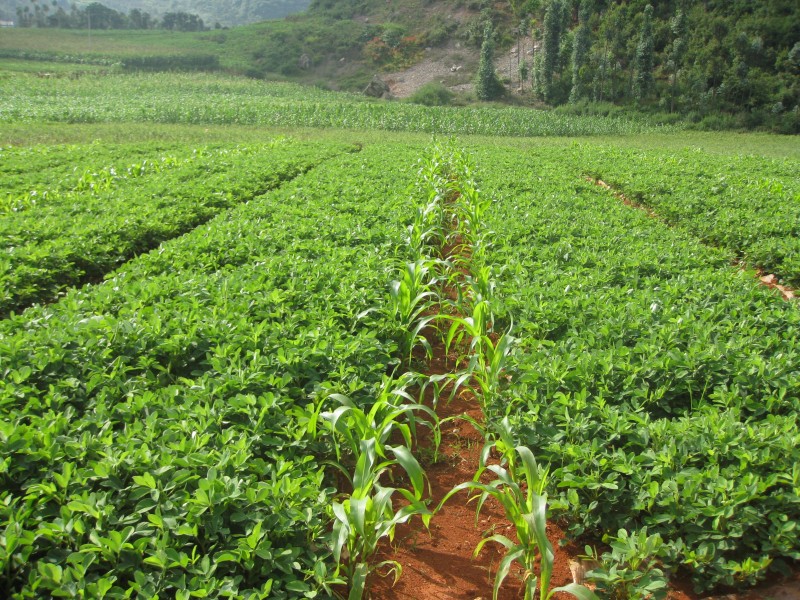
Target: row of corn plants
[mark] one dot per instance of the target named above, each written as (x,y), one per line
(520,482)
(445,245)
(365,438)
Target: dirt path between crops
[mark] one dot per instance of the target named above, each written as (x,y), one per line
(439,564)
(769,280)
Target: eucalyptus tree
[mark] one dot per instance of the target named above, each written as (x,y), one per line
(644,60)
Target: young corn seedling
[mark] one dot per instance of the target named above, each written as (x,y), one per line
(393,410)
(488,359)
(367,515)
(409,297)
(470,211)
(520,489)
(427,233)
(475,328)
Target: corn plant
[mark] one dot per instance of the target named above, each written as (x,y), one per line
(520,489)
(367,515)
(394,410)
(488,357)
(474,328)
(409,298)
(470,210)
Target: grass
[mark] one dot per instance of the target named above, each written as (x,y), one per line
(18,65)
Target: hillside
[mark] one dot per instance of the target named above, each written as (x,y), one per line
(716,64)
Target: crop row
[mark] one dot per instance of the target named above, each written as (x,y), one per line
(215,99)
(28,175)
(155,427)
(660,383)
(747,204)
(82,234)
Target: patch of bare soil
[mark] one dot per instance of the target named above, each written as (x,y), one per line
(454,66)
(507,65)
(451,65)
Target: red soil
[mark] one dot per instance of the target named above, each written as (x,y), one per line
(439,563)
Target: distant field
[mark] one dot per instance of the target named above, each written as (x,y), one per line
(224,100)
(115,43)
(15,65)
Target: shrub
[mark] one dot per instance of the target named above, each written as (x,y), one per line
(432,94)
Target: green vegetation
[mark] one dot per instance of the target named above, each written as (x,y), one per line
(745,204)
(116,213)
(143,14)
(214,297)
(432,94)
(153,425)
(213,99)
(658,381)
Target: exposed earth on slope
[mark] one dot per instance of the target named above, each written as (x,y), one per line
(451,66)
(454,66)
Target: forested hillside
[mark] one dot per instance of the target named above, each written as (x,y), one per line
(695,57)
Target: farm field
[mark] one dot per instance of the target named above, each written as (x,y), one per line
(659,382)
(213,339)
(153,425)
(105,216)
(175,98)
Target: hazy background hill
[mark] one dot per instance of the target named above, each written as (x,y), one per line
(225,12)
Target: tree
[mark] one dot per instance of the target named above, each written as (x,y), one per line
(677,52)
(487,86)
(182,21)
(550,48)
(644,61)
(580,53)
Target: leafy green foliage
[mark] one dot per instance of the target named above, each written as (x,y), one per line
(658,381)
(644,59)
(432,94)
(487,85)
(116,215)
(629,571)
(744,204)
(155,431)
